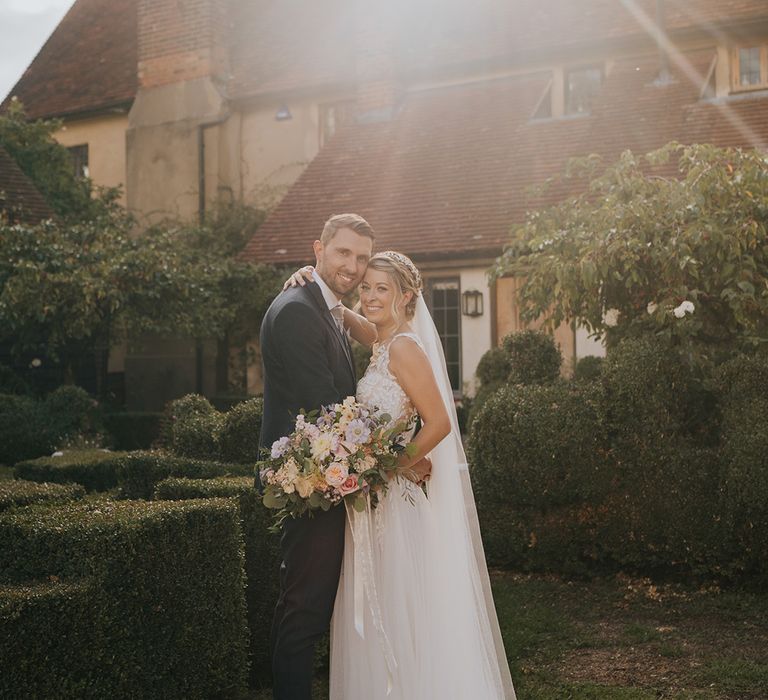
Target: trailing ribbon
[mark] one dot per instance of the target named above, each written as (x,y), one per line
(365,583)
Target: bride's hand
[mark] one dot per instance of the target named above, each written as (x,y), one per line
(423,470)
(300,277)
(419,472)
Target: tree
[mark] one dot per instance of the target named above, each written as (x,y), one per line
(646,248)
(67,289)
(48,165)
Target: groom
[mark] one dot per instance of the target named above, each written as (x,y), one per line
(308,364)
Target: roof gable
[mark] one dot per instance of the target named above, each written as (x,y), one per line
(17,193)
(88,64)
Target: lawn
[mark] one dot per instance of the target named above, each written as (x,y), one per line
(626,639)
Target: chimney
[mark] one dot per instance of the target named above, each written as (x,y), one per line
(181,40)
(379,88)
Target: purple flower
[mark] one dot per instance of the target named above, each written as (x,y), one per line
(357,432)
(280,447)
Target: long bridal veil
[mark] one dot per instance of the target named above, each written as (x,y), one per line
(467,628)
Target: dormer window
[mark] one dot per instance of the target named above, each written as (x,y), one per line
(581,85)
(749,67)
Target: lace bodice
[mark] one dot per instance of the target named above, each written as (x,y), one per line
(379,389)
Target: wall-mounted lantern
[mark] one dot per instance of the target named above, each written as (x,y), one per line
(472,303)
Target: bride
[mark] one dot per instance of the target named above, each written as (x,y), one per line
(414,616)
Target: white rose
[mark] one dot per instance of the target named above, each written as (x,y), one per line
(611,317)
(651,308)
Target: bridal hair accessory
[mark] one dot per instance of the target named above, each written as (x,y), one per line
(407,263)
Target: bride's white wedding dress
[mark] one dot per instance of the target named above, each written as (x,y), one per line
(400,630)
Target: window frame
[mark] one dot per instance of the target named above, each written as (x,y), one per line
(736,86)
(567,71)
(80,165)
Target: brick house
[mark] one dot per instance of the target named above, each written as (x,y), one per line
(430,118)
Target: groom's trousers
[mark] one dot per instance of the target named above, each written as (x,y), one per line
(312,551)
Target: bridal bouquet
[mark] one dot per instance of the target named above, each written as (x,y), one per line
(342,452)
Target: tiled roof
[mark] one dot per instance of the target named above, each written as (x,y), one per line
(88,64)
(18,194)
(90,61)
(450,174)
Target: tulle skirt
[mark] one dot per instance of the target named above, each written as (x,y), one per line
(433,645)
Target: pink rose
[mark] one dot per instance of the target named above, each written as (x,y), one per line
(350,485)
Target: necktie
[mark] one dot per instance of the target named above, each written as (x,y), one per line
(338,316)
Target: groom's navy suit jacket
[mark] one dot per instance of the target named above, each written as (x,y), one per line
(307,361)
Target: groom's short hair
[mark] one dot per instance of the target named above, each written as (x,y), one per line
(357,223)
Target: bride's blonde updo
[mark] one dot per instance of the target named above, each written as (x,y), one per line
(403,273)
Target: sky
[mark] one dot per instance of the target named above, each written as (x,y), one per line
(24,27)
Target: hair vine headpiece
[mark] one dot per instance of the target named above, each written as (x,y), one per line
(405,260)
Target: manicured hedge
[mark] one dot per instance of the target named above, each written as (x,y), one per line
(139,472)
(19,492)
(239,434)
(165,617)
(52,645)
(262,557)
(536,445)
(655,466)
(743,388)
(194,428)
(31,428)
(96,470)
(24,428)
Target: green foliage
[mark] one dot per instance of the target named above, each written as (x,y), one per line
(17,492)
(653,467)
(526,357)
(262,555)
(96,470)
(240,430)
(24,428)
(743,388)
(31,428)
(588,368)
(534,358)
(535,446)
(49,166)
(493,366)
(163,614)
(194,428)
(655,395)
(198,436)
(12,383)
(639,243)
(74,411)
(139,472)
(132,430)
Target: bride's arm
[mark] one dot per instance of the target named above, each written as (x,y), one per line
(412,370)
(359,327)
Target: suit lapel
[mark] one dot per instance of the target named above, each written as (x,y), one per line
(316,294)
